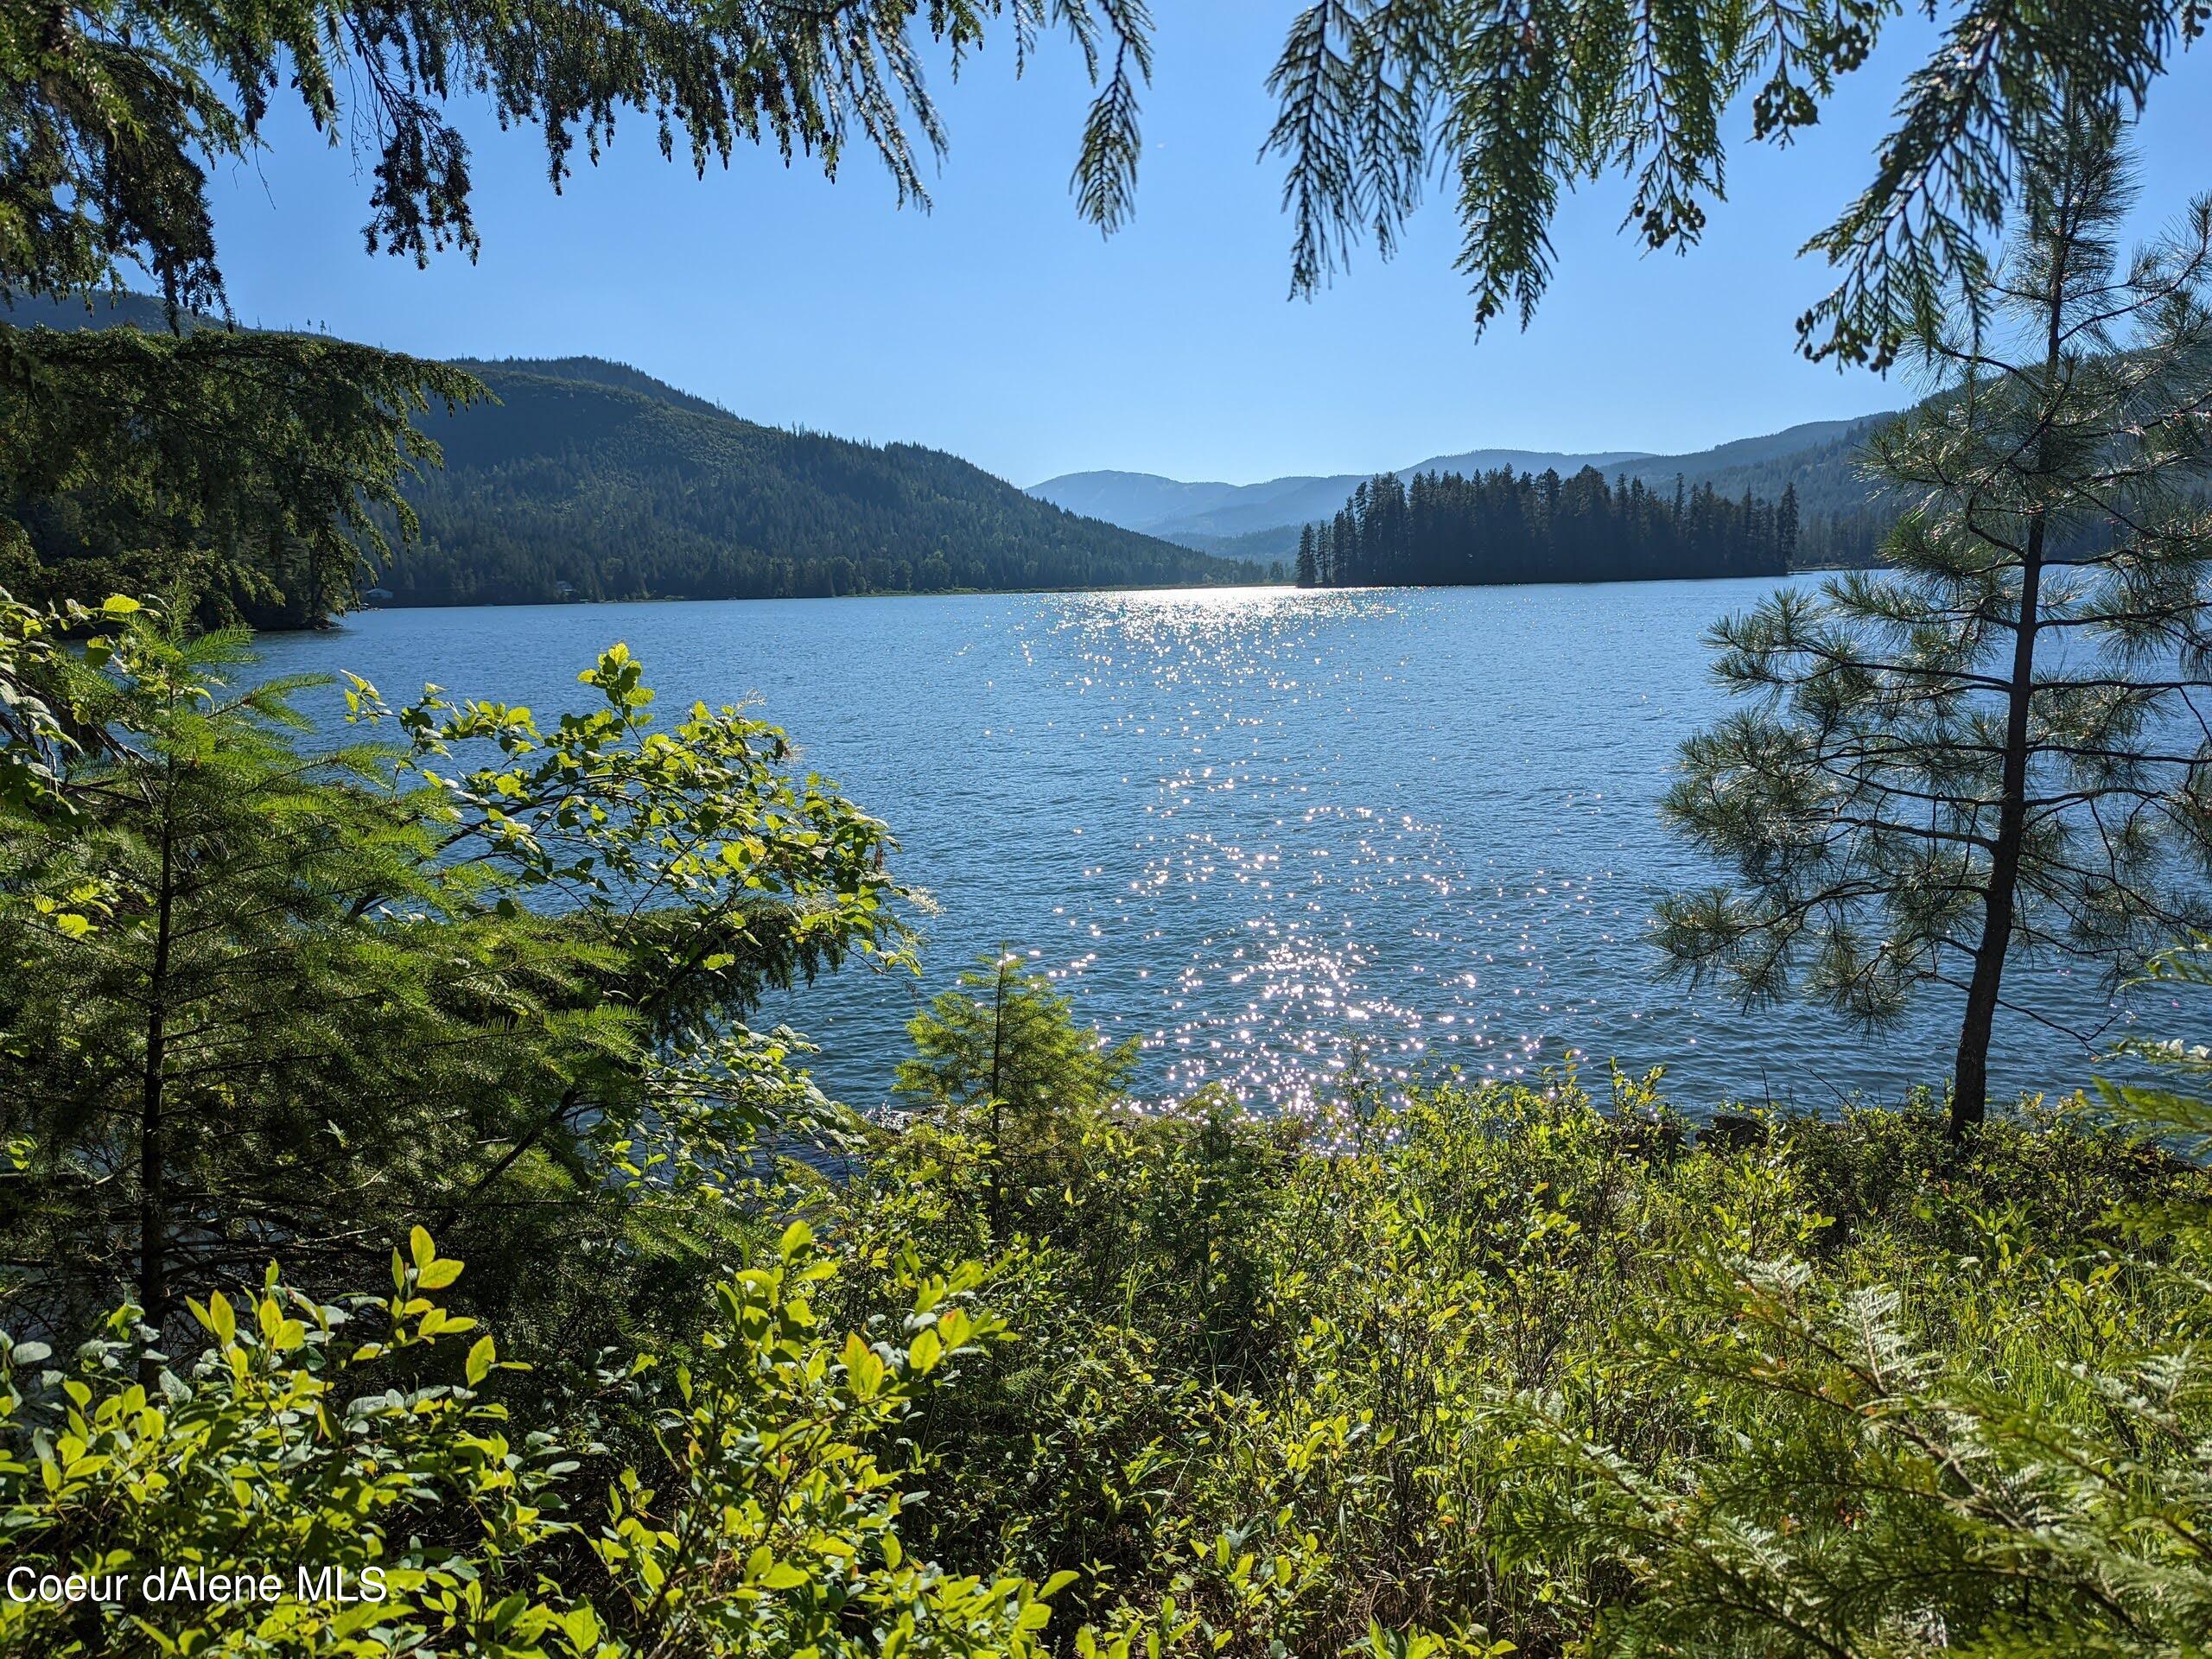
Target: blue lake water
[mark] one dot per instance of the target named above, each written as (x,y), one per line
(1270,833)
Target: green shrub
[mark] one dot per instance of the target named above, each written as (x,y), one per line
(1448,1383)
(307,1438)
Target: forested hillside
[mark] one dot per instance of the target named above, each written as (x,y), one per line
(589,480)
(1841,519)
(593,481)
(1504,526)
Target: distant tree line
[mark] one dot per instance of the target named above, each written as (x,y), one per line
(1449,529)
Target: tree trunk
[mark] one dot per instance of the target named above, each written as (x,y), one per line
(1970,1078)
(1970,1085)
(998,1147)
(153,1171)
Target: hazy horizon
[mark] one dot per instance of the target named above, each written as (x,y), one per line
(1624,453)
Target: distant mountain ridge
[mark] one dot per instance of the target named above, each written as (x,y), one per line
(1166,506)
(593,479)
(1260,521)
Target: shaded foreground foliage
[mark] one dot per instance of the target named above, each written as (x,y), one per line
(1502,1368)
(469,971)
(1522,1366)
(1485,1369)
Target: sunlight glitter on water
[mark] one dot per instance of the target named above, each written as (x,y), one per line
(1301,952)
(1279,837)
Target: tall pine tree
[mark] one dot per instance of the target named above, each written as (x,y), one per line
(1995,747)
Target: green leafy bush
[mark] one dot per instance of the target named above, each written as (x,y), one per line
(474,970)
(306,1441)
(1524,1367)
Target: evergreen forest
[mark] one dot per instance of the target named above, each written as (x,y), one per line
(586,481)
(1444,530)
(576,479)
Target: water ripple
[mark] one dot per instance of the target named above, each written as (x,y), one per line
(1279,837)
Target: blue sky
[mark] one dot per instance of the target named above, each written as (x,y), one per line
(1001,328)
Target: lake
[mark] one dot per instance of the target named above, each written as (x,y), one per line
(1271,832)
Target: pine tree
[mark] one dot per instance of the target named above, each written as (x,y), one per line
(1000,1057)
(1518,106)
(1989,748)
(1309,570)
(266,999)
